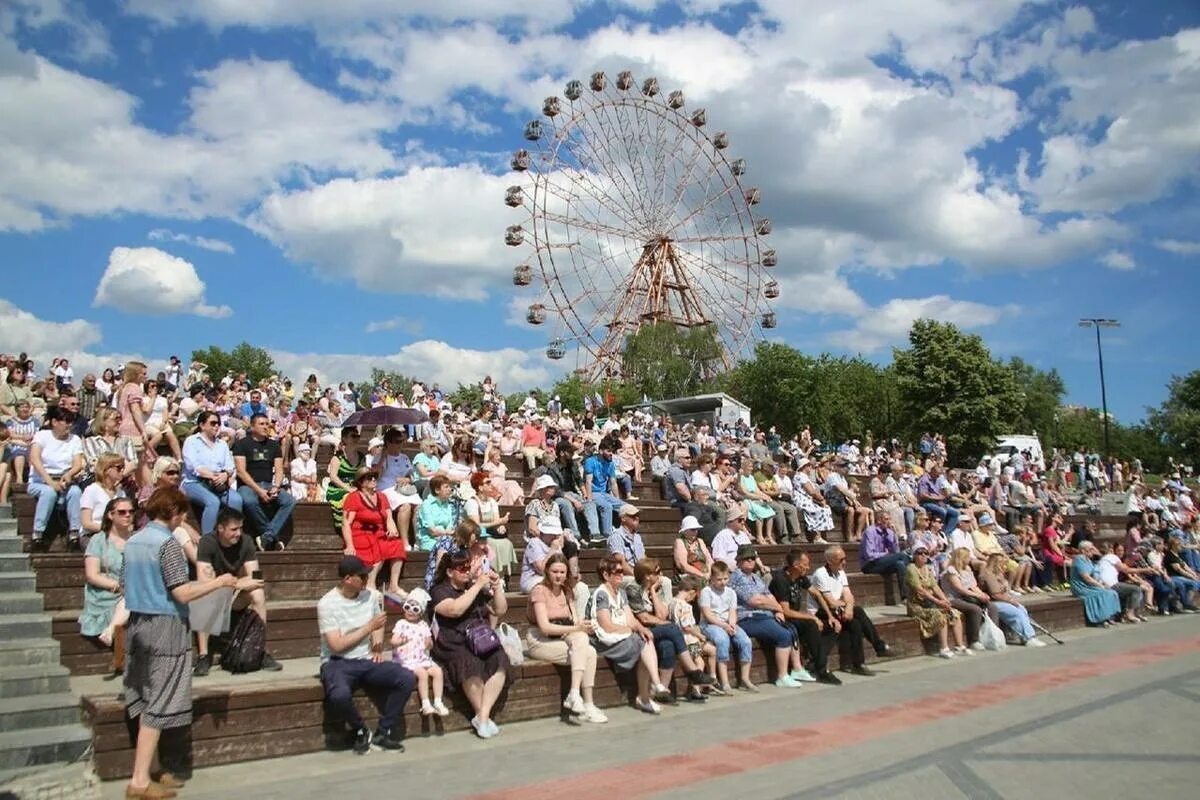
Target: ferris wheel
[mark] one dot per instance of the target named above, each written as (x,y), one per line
(634,214)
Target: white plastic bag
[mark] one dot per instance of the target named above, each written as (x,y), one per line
(991,636)
(510,640)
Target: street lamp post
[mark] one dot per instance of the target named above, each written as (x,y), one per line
(1098,323)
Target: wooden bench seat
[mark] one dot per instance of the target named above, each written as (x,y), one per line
(241,718)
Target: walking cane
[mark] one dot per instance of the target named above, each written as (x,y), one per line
(1043,630)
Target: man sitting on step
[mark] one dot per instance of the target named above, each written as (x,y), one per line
(351,619)
(230,551)
(835,605)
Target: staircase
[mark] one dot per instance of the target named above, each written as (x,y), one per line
(40,724)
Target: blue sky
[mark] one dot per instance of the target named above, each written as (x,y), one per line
(326,180)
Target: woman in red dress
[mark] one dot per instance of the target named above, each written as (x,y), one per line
(369,531)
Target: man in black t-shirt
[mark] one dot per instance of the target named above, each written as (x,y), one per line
(1187,582)
(791,587)
(259,462)
(228,550)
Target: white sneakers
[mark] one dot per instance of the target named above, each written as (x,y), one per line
(573,703)
(436,707)
(947,653)
(977,646)
(593,714)
(1035,642)
(962,651)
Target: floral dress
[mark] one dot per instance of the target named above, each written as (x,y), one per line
(931,620)
(414,653)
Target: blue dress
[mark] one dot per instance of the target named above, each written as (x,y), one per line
(1100,605)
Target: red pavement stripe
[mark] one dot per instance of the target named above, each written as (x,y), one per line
(756,752)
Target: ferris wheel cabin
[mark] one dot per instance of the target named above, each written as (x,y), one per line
(536,314)
(556,349)
(522,275)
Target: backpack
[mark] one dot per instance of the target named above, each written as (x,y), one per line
(246,645)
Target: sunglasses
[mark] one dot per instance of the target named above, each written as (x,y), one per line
(171,472)
(124,512)
(461,568)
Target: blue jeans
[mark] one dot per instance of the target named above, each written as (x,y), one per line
(1184,587)
(890,564)
(1164,590)
(47,499)
(625,482)
(341,676)
(268,527)
(199,493)
(603,505)
(1015,617)
(767,631)
(669,643)
(567,511)
(722,641)
(946,513)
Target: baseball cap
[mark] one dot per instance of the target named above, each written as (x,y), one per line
(628,511)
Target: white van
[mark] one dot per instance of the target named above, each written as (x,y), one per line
(1007,446)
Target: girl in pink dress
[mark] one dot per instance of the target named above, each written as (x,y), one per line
(411,642)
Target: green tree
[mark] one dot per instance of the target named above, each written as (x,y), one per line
(662,360)
(467,396)
(1040,395)
(254,361)
(947,381)
(1177,420)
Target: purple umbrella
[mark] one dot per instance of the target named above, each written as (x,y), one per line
(386,415)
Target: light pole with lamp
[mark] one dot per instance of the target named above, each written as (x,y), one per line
(1098,323)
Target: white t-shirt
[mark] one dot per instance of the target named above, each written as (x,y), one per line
(66,375)
(97,499)
(57,454)
(158,413)
(829,585)
(301,469)
(336,613)
(719,604)
(1108,569)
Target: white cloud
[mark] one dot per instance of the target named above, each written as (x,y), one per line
(1144,97)
(433,231)
(21,331)
(203,242)
(87,39)
(408,325)
(890,322)
(69,144)
(145,280)
(1178,246)
(1118,260)
(431,360)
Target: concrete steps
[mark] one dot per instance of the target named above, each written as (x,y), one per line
(40,719)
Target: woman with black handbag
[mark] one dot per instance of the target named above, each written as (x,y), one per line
(467,604)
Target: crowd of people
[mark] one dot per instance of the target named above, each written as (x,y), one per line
(963,546)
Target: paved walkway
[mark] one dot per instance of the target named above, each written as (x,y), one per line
(1019,724)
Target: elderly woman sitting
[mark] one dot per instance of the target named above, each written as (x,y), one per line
(467,603)
(930,607)
(962,590)
(1100,604)
(558,635)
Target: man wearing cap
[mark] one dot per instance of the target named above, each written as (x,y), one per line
(600,487)
(761,617)
(791,586)
(351,620)
(880,554)
(834,604)
(933,493)
(258,460)
(660,464)
(625,544)
(987,543)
